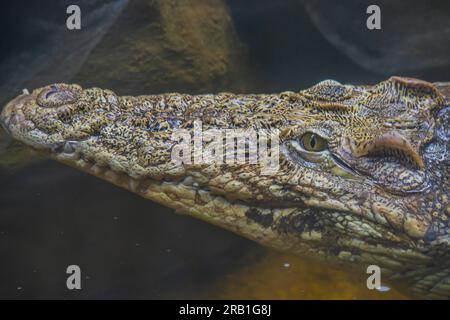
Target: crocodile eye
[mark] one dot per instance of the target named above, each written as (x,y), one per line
(312,142)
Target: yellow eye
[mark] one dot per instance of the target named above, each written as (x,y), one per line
(312,142)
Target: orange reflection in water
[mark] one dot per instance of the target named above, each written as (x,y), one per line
(282,276)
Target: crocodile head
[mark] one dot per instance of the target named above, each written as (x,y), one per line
(362,171)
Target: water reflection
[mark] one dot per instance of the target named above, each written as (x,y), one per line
(282,276)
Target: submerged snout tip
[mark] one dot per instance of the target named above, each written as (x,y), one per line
(5,115)
(11,112)
(4,123)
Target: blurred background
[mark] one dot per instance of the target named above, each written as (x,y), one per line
(52,216)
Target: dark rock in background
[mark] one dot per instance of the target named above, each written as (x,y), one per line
(39,49)
(414,34)
(168,45)
(285,49)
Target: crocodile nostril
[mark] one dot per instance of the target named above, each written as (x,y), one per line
(51,91)
(57,95)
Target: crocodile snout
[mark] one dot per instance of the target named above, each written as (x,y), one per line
(12,113)
(4,122)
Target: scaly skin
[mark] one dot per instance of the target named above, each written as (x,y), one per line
(377,191)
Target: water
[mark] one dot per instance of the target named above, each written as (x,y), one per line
(128,247)
(52,216)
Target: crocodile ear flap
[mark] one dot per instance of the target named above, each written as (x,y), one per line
(414,88)
(391,144)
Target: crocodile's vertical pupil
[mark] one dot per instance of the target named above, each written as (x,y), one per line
(312,141)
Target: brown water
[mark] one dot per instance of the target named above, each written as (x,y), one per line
(281,276)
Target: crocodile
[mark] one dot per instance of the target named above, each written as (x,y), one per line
(362,176)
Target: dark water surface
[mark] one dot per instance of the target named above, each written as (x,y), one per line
(52,216)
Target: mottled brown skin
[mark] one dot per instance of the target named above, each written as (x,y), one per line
(376,193)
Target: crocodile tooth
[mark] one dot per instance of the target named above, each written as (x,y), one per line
(68,156)
(133,184)
(57,147)
(111,175)
(96,169)
(188,181)
(69,147)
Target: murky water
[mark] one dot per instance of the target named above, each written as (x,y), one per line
(128,247)
(52,216)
